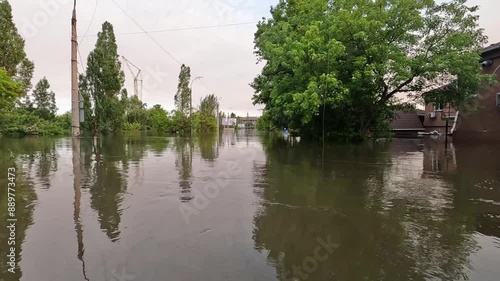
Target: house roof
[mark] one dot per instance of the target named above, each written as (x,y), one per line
(405,121)
(249,119)
(491,47)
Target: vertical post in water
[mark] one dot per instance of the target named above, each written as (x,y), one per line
(75,106)
(446,130)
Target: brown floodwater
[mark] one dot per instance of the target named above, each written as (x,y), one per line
(249,206)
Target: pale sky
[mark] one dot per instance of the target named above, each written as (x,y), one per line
(223,55)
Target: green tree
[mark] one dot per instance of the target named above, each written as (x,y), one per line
(136,110)
(12,55)
(44,100)
(102,83)
(337,68)
(9,91)
(158,119)
(183,98)
(233,115)
(209,105)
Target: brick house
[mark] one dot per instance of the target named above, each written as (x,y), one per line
(435,117)
(481,125)
(484,124)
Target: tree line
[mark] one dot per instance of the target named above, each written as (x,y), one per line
(108,108)
(339,69)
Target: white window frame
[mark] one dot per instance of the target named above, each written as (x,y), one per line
(440,108)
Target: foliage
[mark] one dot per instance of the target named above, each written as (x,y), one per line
(183,100)
(264,123)
(12,55)
(135,111)
(102,83)
(9,90)
(20,122)
(341,65)
(159,120)
(183,96)
(132,126)
(44,102)
(209,105)
(204,123)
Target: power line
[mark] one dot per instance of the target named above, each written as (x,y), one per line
(145,32)
(81,61)
(182,29)
(91,20)
(156,42)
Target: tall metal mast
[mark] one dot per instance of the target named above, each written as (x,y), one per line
(137,78)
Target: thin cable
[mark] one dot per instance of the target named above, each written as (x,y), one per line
(156,42)
(182,29)
(81,61)
(145,32)
(91,20)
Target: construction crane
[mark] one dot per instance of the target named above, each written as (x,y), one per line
(137,78)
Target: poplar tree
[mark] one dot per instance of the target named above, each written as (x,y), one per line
(102,84)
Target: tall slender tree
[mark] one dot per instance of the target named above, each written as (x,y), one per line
(102,84)
(183,98)
(183,95)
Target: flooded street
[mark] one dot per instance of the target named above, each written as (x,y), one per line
(249,206)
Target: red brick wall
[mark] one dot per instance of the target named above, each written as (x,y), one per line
(431,124)
(484,124)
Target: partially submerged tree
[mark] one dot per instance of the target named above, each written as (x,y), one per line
(102,83)
(183,98)
(338,66)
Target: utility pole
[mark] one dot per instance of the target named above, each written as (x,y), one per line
(75,105)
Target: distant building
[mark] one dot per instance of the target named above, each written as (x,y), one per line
(249,122)
(229,122)
(407,124)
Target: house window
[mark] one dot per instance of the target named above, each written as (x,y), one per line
(438,106)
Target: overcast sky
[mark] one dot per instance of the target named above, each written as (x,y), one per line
(223,55)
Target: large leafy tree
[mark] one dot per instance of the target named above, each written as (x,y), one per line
(44,100)
(102,83)
(9,91)
(338,66)
(12,55)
